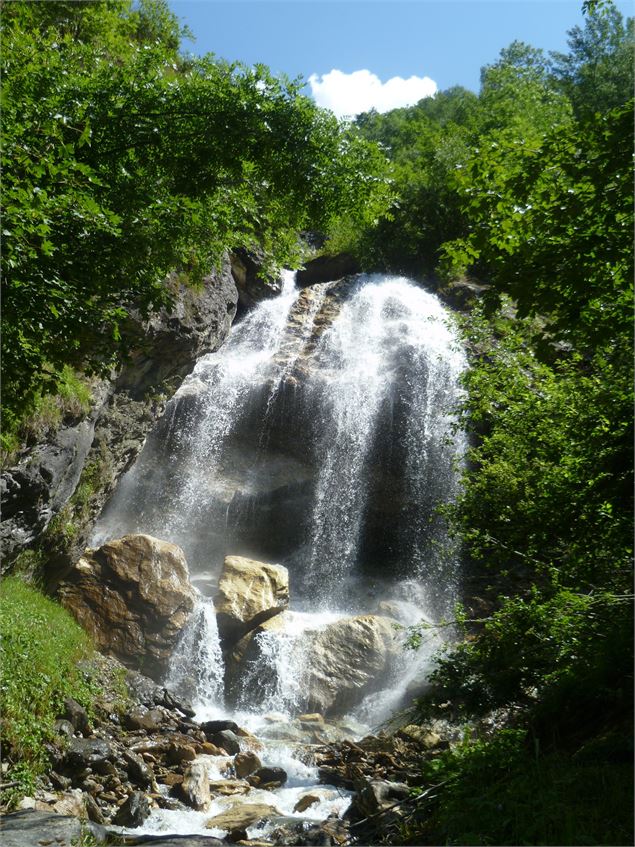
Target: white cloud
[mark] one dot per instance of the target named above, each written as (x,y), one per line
(350,94)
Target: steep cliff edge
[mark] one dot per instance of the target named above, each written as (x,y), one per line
(52,494)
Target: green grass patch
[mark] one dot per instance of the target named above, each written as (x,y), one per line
(41,645)
(67,398)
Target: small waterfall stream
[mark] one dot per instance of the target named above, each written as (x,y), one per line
(319,437)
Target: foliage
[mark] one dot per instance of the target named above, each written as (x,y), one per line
(552,222)
(123,161)
(597,72)
(524,796)
(551,473)
(41,645)
(70,402)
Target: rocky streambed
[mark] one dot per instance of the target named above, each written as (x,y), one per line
(144,770)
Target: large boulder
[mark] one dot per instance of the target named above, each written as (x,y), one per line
(347,660)
(134,597)
(249,593)
(343,661)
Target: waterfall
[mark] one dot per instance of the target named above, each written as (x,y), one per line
(320,436)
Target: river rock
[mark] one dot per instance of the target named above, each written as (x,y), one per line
(249,593)
(270,777)
(229,787)
(29,828)
(305,802)
(134,597)
(241,816)
(376,796)
(134,811)
(140,772)
(77,715)
(194,790)
(246,763)
(87,752)
(227,741)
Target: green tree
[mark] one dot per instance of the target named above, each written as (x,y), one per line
(597,72)
(122,162)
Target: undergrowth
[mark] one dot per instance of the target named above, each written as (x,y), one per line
(505,791)
(41,646)
(68,399)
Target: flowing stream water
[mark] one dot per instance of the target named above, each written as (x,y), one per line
(321,437)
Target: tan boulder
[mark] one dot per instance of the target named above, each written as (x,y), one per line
(194,790)
(241,816)
(246,763)
(134,597)
(349,659)
(249,593)
(305,802)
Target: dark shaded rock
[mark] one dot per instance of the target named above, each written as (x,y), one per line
(273,777)
(252,287)
(77,715)
(134,811)
(139,772)
(212,727)
(169,342)
(376,796)
(65,728)
(327,269)
(462,294)
(35,490)
(143,689)
(92,810)
(87,752)
(134,597)
(30,828)
(176,704)
(227,740)
(150,721)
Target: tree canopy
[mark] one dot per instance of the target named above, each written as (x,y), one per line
(124,160)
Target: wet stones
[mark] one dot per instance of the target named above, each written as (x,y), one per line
(268,778)
(194,789)
(246,763)
(134,810)
(241,816)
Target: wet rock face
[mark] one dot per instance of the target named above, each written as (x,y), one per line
(163,349)
(348,659)
(134,597)
(249,593)
(341,662)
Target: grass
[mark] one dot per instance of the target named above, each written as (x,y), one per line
(70,400)
(41,645)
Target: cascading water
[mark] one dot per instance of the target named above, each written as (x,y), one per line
(319,437)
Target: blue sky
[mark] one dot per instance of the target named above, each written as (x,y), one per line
(440,42)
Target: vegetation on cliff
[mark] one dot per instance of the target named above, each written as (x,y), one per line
(123,160)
